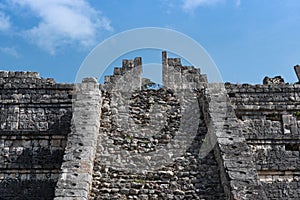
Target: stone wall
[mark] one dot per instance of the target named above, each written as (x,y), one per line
(187,177)
(78,161)
(127,77)
(269,115)
(35,121)
(180,77)
(237,169)
(187,140)
(137,124)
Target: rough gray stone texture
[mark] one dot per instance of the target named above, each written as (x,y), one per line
(270,117)
(237,169)
(77,167)
(139,122)
(177,76)
(275,80)
(126,78)
(187,140)
(297,71)
(35,118)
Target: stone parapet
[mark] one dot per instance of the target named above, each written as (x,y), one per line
(238,173)
(77,167)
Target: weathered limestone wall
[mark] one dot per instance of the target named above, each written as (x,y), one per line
(125,78)
(187,177)
(180,77)
(142,123)
(187,140)
(35,118)
(78,161)
(270,116)
(237,169)
(264,101)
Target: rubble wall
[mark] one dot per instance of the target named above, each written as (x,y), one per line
(144,122)
(187,140)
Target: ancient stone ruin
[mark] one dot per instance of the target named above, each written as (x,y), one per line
(188,139)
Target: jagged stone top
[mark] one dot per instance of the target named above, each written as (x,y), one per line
(127,65)
(19,74)
(30,80)
(176,62)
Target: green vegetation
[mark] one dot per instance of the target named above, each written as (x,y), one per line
(141,181)
(297,115)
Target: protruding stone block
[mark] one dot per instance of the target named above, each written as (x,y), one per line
(89,80)
(137,61)
(275,80)
(297,70)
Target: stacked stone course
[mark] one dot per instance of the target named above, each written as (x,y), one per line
(65,141)
(35,121)
(77,166)
(269,115)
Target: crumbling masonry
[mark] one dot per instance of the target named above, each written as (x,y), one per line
(63,141)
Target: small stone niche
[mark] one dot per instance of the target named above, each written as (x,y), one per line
(274,117)
(292,147)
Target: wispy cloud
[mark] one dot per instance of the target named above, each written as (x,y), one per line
(168,5)
(190,5)
(4,22)
(238,3)
(64,22)
(10,51)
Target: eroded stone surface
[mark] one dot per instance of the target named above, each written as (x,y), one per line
(232,141)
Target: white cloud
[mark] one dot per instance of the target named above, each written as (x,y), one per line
(168,5)
(190,5)
(10,51)
(64,22)
(238,3)
(4,22)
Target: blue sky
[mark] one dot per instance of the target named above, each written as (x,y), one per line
(247,39)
